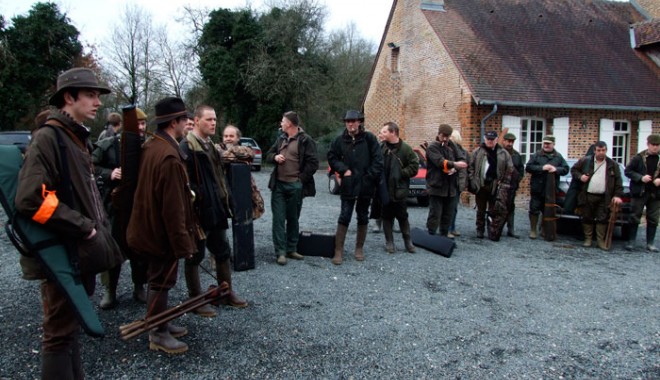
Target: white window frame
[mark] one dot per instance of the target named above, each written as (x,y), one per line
(624,135)
(529,146)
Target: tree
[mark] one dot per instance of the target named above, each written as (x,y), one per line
(132,56)
(35,49)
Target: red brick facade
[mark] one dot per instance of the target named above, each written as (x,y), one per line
(428,89)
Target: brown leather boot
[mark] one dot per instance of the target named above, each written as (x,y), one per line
(160,338)
(223,271)
(388,225)
(359,242)
(195,288)
(340,238)
(588,230)
(601,232)
(405,232)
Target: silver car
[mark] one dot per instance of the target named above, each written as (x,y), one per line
(246,141)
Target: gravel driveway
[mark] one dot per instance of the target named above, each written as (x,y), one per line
(516,309)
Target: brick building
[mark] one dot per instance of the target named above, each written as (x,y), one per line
(572,68)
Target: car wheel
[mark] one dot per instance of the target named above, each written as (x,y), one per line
(333,186)
(423,201)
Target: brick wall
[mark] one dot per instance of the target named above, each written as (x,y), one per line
(651,6)
(428,90)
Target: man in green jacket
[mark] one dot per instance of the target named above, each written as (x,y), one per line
(400,163)
(644,173)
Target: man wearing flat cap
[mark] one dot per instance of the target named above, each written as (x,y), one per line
(644,173)
(490,167)
(517,176)
(356,156)
(162,226)
(542,163)
(64,199)
(443,158)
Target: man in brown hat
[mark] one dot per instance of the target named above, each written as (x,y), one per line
(162,226)
(644,173)
(544,161)
(443,158)
(356,156)
(64,199)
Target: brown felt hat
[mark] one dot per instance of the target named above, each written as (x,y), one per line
(169,109)
(78,77)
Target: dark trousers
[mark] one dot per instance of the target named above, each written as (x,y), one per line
(162,272)
(441,211)
(398,210)
(217,244)
(536,204)
(361,206)
(595,209)
(652,209)
(485,200)
(286,204)
(60,325)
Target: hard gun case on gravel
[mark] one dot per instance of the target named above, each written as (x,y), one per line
(31,238)
(311,244)
(441,245)
(242,227)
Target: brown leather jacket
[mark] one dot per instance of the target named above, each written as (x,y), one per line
(162,221)
(42,172)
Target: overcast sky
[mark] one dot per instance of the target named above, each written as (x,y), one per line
(95,19)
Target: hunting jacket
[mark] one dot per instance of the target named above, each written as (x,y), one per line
(440,160)
(162,222)
(400,164)
(535,168)
(635,170)
(39,187)
(361,155)
(308,161)
(613,181)
(477,167)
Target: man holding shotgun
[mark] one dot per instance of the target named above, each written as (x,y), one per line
(162,225)
(600,184)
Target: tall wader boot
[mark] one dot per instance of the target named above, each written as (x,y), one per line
(601,233)
(195,289)
(223,272)
(163,337)
(650,237)
(588,230)
(359,242)
(405,232)
(388,225)
(110,280)
(65,364)
(533,223)
(630,245)
(340,238)
(510,222)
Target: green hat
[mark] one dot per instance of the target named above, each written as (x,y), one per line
(549,139)
(653,139)
(509,136)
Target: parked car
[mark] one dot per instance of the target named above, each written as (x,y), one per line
(18,138)
(624,218)
(246,141)
(417,183)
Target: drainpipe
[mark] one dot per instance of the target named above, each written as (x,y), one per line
(483,121)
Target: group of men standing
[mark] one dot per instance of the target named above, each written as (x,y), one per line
(185,202)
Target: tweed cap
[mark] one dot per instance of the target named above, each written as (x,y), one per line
(653,139)
(549,139)
(509,136)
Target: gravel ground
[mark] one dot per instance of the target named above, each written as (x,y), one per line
(517,309)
